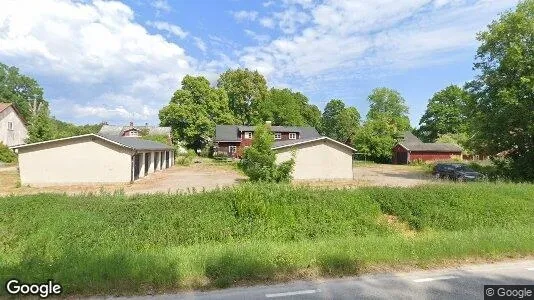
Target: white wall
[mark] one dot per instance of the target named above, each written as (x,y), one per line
(84,160)
(18,135)
(320,160)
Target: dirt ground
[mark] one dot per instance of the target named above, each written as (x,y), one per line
(206,175)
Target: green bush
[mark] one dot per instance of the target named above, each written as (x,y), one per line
(6,155)
(185,159)
(259,160)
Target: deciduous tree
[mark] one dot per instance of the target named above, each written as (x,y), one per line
(503,103)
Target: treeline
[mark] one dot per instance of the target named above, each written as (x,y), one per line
(27,95)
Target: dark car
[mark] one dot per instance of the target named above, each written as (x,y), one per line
(458,172)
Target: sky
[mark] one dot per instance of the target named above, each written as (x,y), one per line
(121,61)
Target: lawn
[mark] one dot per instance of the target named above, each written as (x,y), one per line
(115,244)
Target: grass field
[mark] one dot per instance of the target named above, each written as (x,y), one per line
(113,244)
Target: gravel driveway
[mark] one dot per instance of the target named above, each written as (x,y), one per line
(390,175)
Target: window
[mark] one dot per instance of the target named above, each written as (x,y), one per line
(9,125)
(248,135)
(292,136)
(277,136)
(232,149)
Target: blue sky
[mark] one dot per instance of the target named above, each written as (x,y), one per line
(120,61)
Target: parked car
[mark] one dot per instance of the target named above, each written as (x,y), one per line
(458,172)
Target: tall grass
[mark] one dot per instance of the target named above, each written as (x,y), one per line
(117,244)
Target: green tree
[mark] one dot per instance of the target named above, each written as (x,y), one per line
(386,119)
(388,103)
(502,111)
(339,122)
(21,90)
(41,127)
(259,160)
(445,114)
(247,93)
(194,110)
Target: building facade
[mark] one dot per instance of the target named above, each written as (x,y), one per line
(410,148)
(13,129)
(231,140)
(91,158)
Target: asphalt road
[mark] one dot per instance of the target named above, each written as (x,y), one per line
(458,283)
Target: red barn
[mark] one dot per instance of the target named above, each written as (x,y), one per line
(410,148)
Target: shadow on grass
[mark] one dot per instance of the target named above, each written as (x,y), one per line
(339,264)
(231,267)
(116,272)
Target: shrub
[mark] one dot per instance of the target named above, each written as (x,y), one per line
(6,155)
(185,159)
(259,160)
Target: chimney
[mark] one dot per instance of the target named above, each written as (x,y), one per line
(131,124)
(146,124)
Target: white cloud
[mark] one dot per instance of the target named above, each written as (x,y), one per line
(96,49)
(261,38)
(164,26)
(355,36)
(267,22)
(200,44)
(244,15)
(161,5)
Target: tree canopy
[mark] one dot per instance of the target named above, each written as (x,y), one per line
(247,93)
(445,114)
(386,119)
(194,110)
(502,110)
(340,122)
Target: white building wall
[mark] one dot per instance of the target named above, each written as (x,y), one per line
(320,160)
(86,160)
(14,137)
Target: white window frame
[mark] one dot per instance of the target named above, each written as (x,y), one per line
(292,135)
(277,135)
(248,135)
(10,126)
(232,149)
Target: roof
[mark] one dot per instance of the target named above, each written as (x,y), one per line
(431,147)
(290,143)
(408,137)
(228,133)
(118,130)
(4,106)
(411,143)
(133,143)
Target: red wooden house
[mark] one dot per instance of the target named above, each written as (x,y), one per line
(410,148)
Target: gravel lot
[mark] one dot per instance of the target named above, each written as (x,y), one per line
(207,176)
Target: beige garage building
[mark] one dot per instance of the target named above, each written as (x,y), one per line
(91,158)
(320,158)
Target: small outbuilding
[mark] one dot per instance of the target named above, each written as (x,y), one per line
(410,148)
(91,158)
(317,158)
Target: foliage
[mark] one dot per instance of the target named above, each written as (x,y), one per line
(160,138)
(185,159)
(247,94)
(386,120)
(64,129)
(21,90)
(502,107)
(41,127)
(388,104)
(259,160)
(6,155)
(445,114)
(287,108)
(194,110)
(339,122)
(116,244)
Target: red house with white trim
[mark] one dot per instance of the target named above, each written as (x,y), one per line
(410,148)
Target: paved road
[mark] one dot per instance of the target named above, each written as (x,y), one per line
(459,283)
